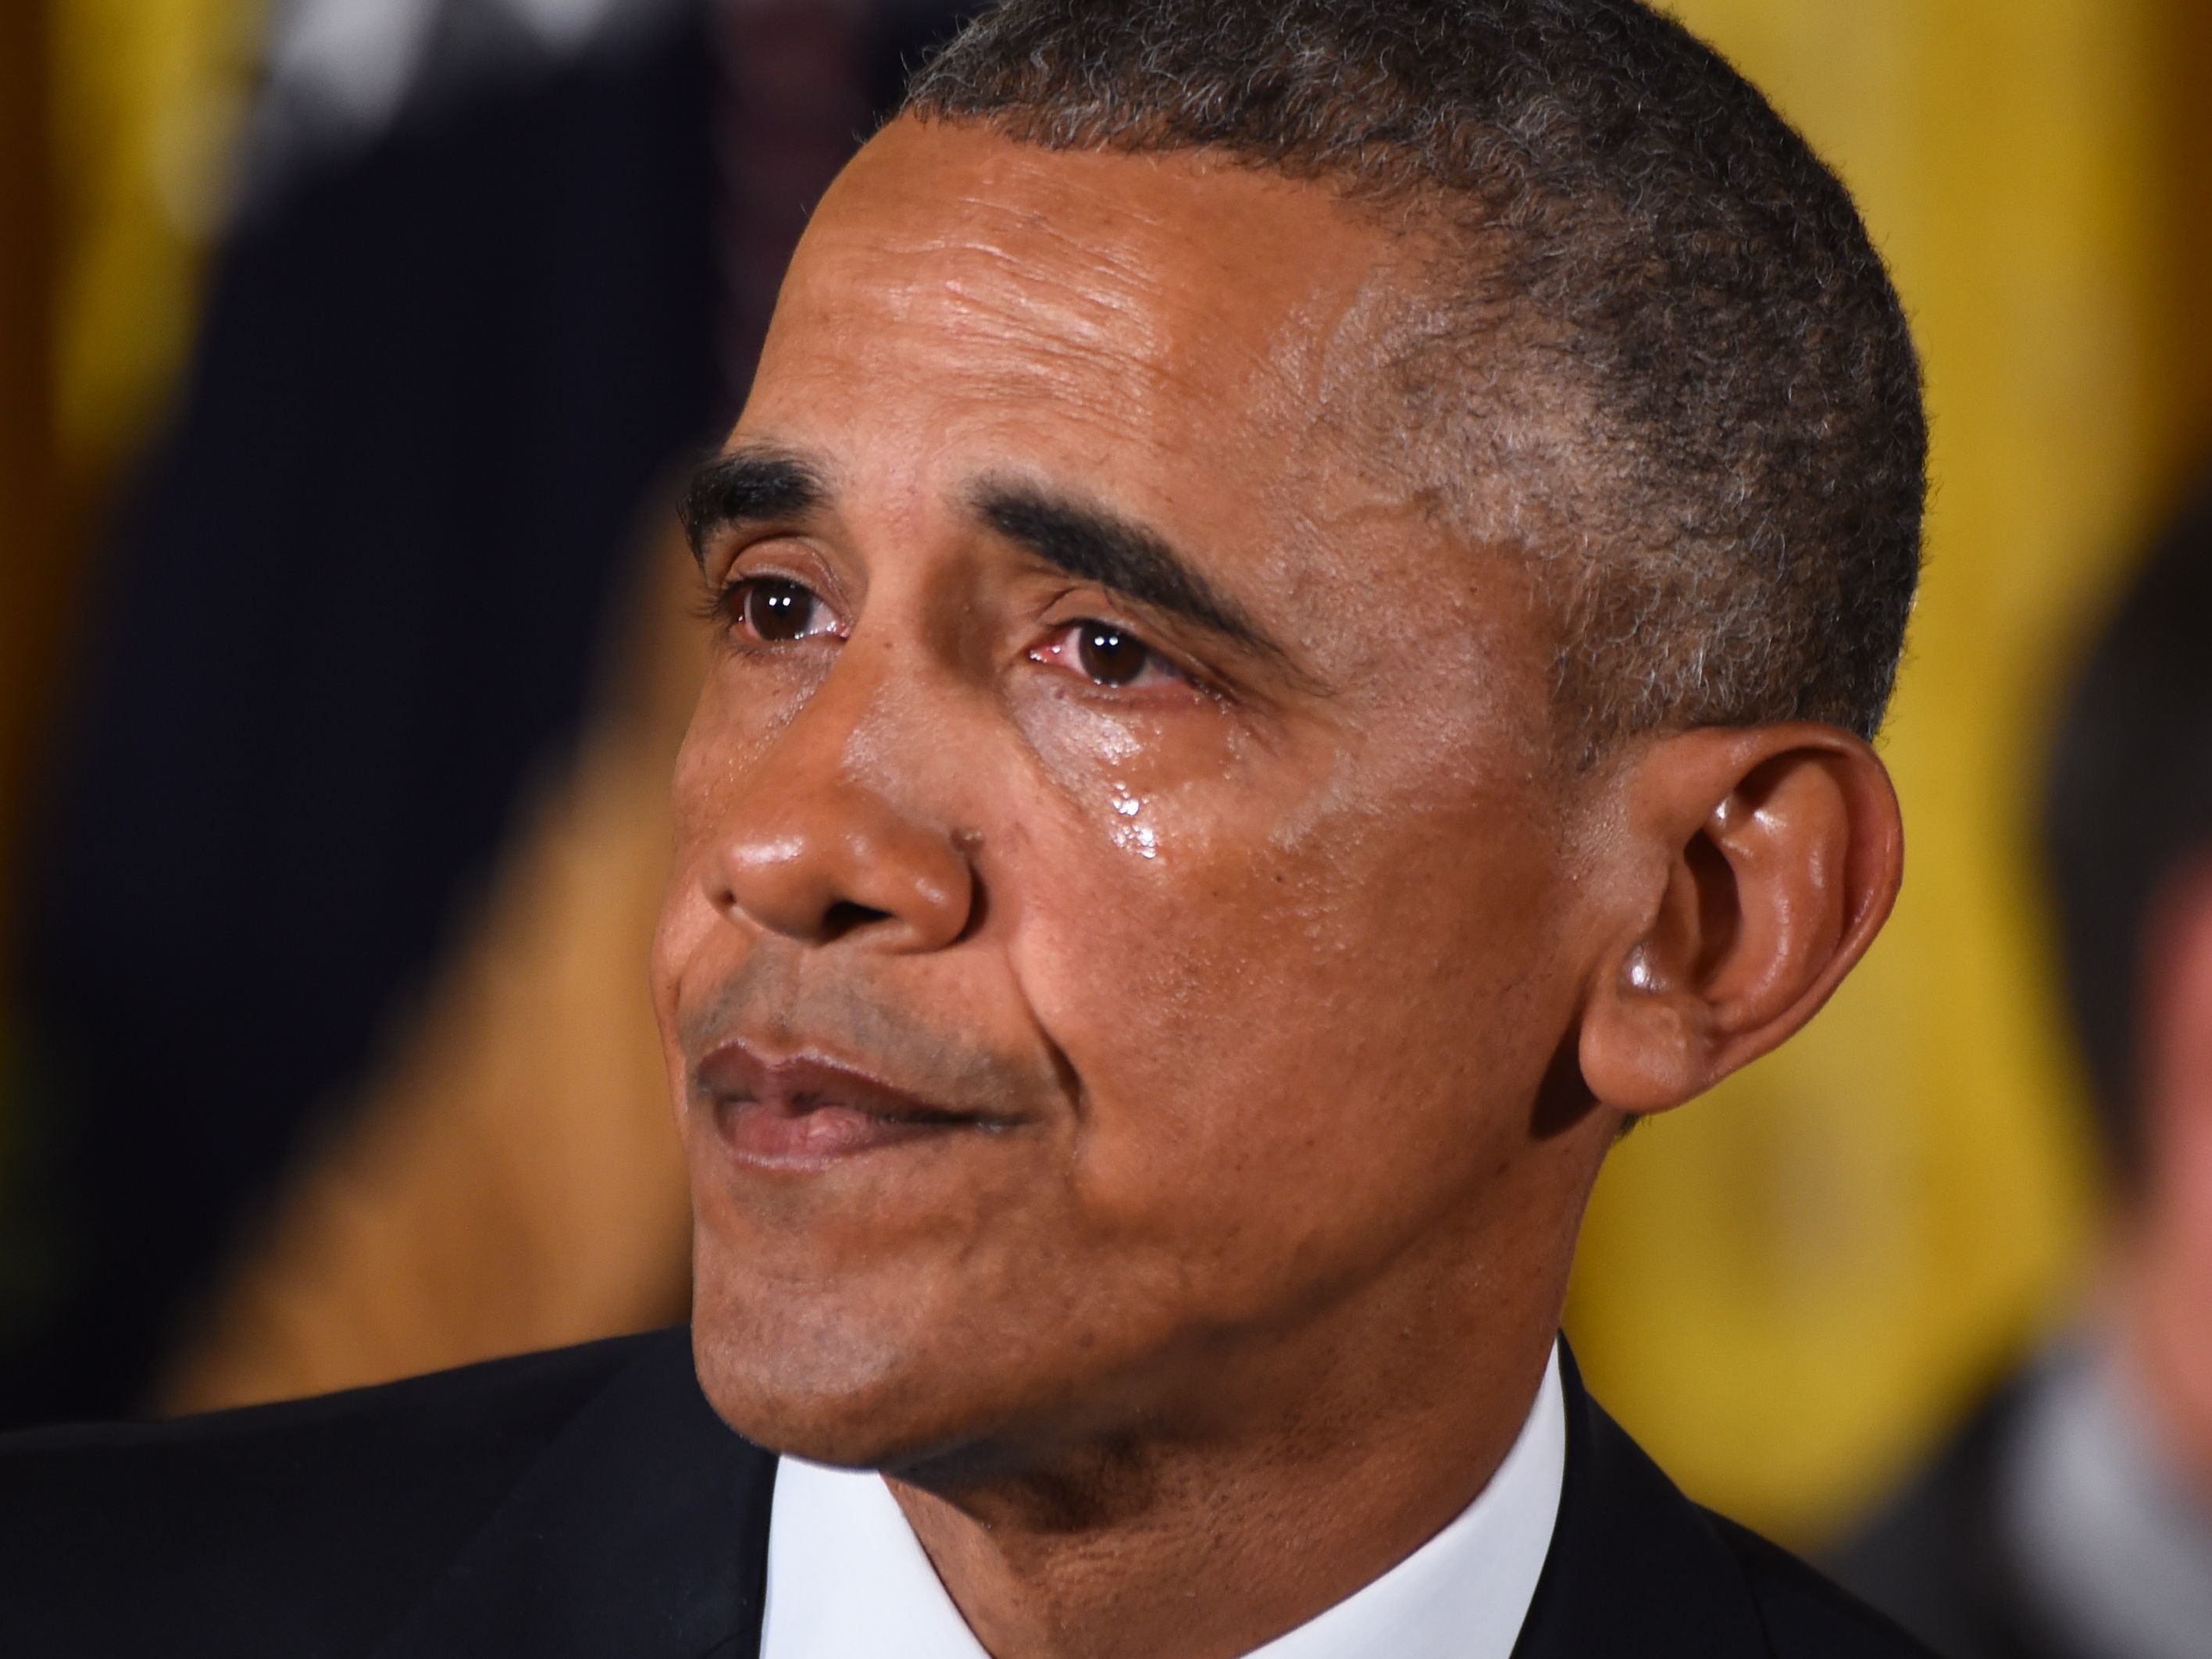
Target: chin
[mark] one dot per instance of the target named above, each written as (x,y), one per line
(912,1353)
(859,1388)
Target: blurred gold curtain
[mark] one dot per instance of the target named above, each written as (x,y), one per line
(1786,1288)
(147,98)
(116,124)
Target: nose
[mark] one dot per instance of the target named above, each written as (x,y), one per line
(816,849)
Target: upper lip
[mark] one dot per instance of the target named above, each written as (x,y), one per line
(734,1072)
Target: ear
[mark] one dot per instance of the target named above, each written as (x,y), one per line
(1755,868)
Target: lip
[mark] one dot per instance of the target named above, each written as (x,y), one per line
(804,1111)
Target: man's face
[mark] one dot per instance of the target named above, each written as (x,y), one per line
(1123,913)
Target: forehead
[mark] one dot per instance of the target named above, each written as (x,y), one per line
(1182,339)
(1152,315)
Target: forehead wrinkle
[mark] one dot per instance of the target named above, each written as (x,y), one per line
(1109,366)
(998,282)
(1016,338)
(1019,222)
(1009,265)
(1106,205)
(1079,301)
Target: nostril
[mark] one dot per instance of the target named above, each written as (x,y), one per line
(844,917)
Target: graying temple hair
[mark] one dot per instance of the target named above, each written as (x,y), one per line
(1664,356)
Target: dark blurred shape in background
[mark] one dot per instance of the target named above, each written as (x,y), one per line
(496,269)
(2072,1517)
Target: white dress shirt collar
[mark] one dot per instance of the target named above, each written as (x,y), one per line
(847,1580)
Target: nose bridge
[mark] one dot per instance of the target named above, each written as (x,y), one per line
(855,736)
(842,824)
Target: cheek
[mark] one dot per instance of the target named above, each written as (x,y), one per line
(710,763)
(1266,1002)
(740,714)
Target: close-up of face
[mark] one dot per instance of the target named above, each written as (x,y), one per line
(1125,908)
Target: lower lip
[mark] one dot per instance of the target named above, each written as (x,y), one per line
(776,1137)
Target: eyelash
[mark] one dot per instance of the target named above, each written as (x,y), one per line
(724,606)
(1078,627)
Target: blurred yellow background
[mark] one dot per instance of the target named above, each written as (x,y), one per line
(1788,1288)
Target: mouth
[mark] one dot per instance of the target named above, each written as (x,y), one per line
(805,1112)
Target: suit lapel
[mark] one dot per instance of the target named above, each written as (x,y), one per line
(1635,1567)
(642,1530)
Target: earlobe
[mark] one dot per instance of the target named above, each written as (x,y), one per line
(1644,1046)
(1758,864)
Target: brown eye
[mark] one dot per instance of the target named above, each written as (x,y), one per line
(1110,656)
(775,609)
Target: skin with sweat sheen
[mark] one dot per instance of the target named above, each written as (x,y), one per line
(1143,1055)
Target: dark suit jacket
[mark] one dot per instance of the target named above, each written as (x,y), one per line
(589,1503)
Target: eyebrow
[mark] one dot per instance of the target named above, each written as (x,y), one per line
(761,484)
(1097,544)
(746,487)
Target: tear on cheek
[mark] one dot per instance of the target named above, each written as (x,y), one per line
(1137,838)
(1132,834)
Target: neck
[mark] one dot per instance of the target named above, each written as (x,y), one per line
(1291,1477)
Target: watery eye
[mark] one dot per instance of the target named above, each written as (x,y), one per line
(1106,654)
(775,609)
(1110,656)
